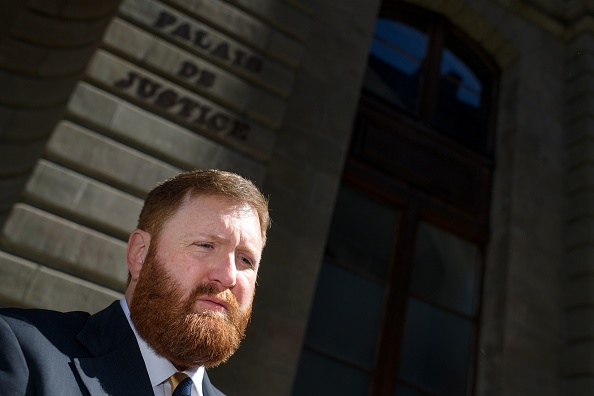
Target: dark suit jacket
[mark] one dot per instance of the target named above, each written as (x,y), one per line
(52,353)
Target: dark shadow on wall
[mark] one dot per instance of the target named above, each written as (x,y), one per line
(45,46)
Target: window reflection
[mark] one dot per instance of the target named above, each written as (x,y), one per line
(449,91)
(396,57)
(461,111)
(466,86)
(399,45)
(445,269)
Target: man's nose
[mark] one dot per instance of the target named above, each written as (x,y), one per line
(225,270)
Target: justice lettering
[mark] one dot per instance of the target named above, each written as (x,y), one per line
(189,109)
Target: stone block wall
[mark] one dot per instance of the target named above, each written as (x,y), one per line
(174,85)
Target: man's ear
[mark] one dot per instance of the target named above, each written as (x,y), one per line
(138,246)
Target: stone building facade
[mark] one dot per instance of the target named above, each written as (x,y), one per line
(100,100)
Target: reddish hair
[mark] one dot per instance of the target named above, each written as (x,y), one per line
(166,198)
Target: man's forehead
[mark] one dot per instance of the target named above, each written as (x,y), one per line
(216,208)
(228,205)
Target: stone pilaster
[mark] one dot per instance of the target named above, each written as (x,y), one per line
(578,363)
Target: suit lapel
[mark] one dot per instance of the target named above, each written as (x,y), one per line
(117,367)
(208,389)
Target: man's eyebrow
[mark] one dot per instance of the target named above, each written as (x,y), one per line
(206,237)
(253,249)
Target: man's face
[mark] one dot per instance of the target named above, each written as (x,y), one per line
(194,292)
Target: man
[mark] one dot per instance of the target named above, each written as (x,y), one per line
(193,262)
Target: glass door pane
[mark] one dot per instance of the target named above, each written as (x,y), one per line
(362,234)
(346,316)
(322,376)
(436,349)
(445,269)
(441,313)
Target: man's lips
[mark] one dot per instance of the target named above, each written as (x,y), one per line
(213,303)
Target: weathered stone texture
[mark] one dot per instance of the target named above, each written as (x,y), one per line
(44,48)
(579,291)
(56,290)
(579,107)
(80,197)
(15,276)
(30,125)
(580,205)
(194,73)
(172,101)
(578,367)
(246,28)
(579,178)
(35,59)
(106,159)
(19,158)
(151,133)
(281,15)
(73,9)
(67,246)
(579,386)
(26,284)
(57,32)
(19,91)
(10,190)
(579,358)
(580,260)
(148,12)
(580,321)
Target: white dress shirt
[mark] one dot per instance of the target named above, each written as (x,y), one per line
(159,368)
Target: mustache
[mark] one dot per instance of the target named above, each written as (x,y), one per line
(211,289)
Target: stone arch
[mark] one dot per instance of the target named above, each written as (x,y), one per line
(476,26)
(45,46)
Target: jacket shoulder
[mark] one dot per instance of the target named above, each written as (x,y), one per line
(21,318)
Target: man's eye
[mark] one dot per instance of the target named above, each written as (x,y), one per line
(247,261)
(205,245)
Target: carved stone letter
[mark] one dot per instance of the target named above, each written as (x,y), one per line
(123,83)
(165,19)
(187,69)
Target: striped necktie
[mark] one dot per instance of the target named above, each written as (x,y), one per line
(181,385)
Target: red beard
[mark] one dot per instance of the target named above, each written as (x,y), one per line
(169,324)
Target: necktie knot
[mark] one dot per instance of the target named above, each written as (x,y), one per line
(181,385)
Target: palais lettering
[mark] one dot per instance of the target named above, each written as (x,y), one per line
(205,41)
(191,110)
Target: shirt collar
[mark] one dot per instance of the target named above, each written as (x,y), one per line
(159,368)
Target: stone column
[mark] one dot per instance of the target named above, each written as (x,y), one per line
(44,49)
(578,365)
